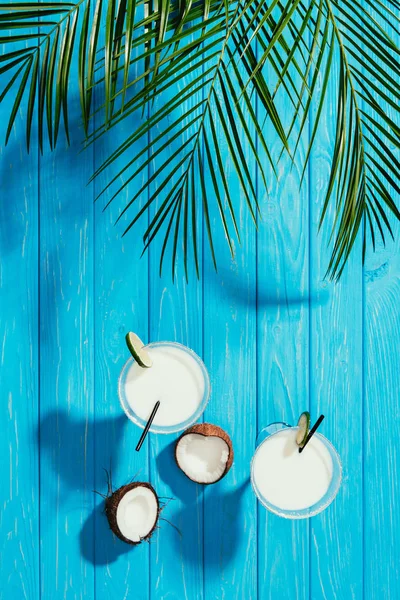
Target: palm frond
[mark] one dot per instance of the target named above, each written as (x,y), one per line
(224,58)
(364,166)
(367,54)
(219,117)
(40,60)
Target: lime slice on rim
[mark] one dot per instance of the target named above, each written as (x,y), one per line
(304,427)
(136,348)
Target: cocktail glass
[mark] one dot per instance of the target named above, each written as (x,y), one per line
(327,498)
(159,428)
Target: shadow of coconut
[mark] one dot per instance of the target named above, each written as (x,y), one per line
(223,523)
(98,545)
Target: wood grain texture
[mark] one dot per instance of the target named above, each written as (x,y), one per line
(382,424)
(67,365)
(175,313)
(230,518)
(121,305)
(382,415)
(19,362)
(276,339)
(283,352)
(176,555)
(336,388)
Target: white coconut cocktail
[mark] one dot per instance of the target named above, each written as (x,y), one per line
(168,373)
(292,481)
(164,388)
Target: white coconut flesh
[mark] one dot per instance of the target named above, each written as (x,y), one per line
(202,458)
(137,513)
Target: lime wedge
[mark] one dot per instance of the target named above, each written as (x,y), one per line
(304,427)
(136,348)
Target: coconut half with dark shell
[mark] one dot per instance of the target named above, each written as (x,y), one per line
(132,512)
(204,453)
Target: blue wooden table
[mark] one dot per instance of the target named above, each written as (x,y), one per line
(277,339)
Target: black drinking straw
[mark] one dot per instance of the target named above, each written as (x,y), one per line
(312,431)
(148,425)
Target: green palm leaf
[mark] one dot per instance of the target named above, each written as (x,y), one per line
(225,58)
(42,60)
(221,109)
(368,94)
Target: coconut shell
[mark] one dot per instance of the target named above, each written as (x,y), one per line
(112,503)
(208,429)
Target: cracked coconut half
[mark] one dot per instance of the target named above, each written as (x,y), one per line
(132,512)
(204,453)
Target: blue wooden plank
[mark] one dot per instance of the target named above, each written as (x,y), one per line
(74,448)
(230,509)
(230,527)
(176,557)
(382,423)
(121,305)
(66,378)
(336,360)
(175,313)
(282,352)
(381,410)
(19,358)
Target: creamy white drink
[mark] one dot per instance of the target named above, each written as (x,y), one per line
(177,378)
(290,480)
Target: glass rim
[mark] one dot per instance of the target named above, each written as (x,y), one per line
(314,509)
(167,428)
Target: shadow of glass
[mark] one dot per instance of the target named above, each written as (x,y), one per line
(225,512)
(65,443)
(63,440)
